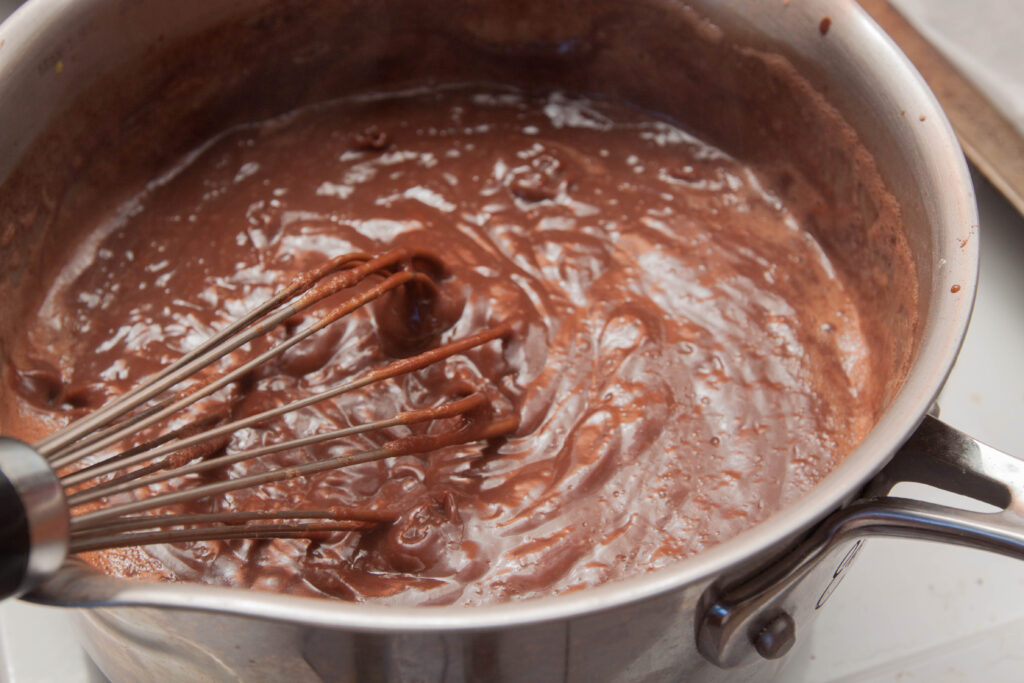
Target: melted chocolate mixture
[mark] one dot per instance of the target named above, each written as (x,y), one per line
(685,360)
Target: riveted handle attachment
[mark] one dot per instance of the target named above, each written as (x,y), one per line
(759,616)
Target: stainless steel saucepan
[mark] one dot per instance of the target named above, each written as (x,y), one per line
(91,90)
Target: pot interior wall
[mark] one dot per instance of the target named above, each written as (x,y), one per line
(191,73)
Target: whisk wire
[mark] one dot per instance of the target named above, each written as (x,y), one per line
(403,446)
(141,522)
(75,452)
(393,369)
(184,451)
(87,425)
(224,533)
(119,485)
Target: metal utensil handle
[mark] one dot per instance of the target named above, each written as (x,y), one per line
(758,616)
(14,539)
(33,519)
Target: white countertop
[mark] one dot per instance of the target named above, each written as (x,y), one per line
(918,611)
(908,611)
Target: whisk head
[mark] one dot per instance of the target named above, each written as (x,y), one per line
(104,480)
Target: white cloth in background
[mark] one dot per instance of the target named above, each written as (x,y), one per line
(983,38)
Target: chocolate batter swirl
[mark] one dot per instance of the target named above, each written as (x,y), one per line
(685,359)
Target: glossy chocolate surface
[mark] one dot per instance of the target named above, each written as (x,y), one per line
(685,358)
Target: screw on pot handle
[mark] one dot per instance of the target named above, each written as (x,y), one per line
(758,615)
(34,519)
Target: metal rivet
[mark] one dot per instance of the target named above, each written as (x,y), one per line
(777,637)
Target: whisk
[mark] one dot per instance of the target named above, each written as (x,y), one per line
(52,492)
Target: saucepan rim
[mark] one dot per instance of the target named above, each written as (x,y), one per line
(940,158)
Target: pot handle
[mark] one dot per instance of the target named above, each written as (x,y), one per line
(757,615)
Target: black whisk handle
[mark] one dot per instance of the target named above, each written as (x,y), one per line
(14,539)
(34,519)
